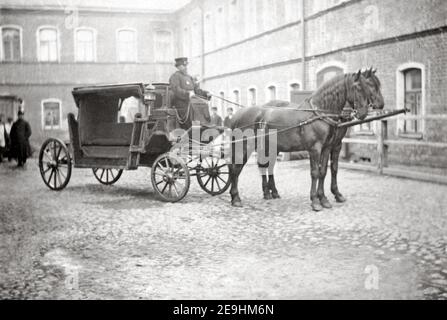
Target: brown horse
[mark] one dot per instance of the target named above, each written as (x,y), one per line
(372,84)
(312,127)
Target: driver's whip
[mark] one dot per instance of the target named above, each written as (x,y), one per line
(228,101)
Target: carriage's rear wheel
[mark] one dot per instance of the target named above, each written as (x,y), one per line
(55,164)
(107,176)
(170,178)
(213,175)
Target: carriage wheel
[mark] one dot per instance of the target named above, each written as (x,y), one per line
(170,178)
(213,175)
(55,164)
(107,176)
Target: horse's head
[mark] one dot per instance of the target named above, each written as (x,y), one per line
(365,93)
(373,86)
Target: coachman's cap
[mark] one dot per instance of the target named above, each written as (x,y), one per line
(181,61)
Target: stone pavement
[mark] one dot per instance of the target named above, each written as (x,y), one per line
(96,242)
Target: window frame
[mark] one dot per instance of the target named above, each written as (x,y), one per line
(222,103)
(195,42)
(135,60)
(156,33)
(400,99)
(220,27)
(255,88)
(289,88)
(51,100)
(267,91)
(2,53)
(95,32)
(238,90)
(58,44)
(209,31)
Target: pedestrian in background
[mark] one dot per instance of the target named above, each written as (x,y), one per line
(20,134)
(227,121)
(3,138)
(216,120)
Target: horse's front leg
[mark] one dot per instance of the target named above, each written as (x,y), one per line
(323,170)
(268,179)
(235,171)
(241,151)
(315,156)
(335,154)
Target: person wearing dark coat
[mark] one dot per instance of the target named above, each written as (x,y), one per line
(216,120)
(20,134)
(184,87)
(227,121)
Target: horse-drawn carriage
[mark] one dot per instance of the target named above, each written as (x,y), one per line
(102,139)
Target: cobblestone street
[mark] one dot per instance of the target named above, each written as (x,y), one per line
(90,241)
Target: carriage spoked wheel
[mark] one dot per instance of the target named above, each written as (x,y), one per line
(170,178)
(107,176)
(213,175)
(55,164)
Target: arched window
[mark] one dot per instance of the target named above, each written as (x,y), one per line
(210,35)
(48,44)
(293,86)
(222,102)
(51,114)
(236,29)
(164,46)
(271,93)
(220,27)
(85,44)
(327,74)
(127,45)
(11,43)
(410,94)
(252,97)
(186,42)
(236,96)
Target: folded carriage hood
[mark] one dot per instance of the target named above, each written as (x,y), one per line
(122,91)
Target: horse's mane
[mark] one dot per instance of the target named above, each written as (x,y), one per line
(277,103)
(332,94)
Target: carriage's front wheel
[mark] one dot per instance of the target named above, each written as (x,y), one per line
(170,178)
(107,176)
(55,164)
(213,175)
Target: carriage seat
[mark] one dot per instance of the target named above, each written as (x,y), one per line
(108,134)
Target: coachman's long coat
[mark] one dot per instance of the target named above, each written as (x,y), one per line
(20,134)
(181,84)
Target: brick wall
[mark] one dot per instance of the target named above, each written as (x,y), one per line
(35,81)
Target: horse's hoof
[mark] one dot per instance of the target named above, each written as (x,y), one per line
(237,204)
(275,195)
(340,199)
(317,207)
(268,196)
(325,203)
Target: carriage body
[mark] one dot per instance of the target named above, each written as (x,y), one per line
(104,139)
(99,139)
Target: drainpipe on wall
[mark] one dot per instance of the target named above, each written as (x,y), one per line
(202,13)
(303,46)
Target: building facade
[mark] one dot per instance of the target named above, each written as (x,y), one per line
(47,51)
(253,51)
(247,51)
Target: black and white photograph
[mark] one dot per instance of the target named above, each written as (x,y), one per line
(223,150)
